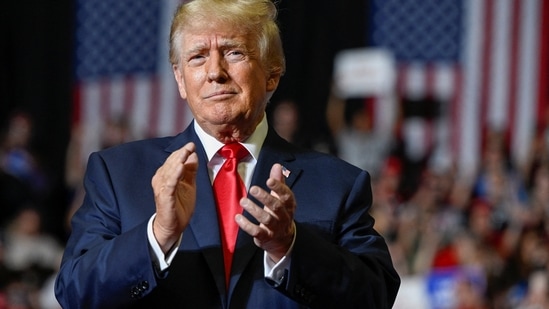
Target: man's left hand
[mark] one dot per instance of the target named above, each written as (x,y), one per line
(276,229)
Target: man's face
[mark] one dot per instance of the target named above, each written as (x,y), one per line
(222,79)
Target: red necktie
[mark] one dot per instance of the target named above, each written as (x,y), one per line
(229,189)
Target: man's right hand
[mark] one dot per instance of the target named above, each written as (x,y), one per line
(174,186)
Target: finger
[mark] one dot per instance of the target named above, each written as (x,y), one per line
(276,172)
(269,234)
(260,232)
(181,163)
(262,215)
(247,226)
(186,188)
(271,201)
(281,192)
(190,167)
(181,156)
(175,159)
(276,176)
(190,146)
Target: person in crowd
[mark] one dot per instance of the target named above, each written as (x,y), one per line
(537,292)
(16,156)
(356,139)
(23,180)
(14,195)
(29,257)
(149,233)
(500,185)
(27,245)
(285,118)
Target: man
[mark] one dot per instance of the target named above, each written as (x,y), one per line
(305,238)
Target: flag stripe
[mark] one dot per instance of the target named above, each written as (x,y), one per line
(105,99)
(543,86)
(513,76)
(454,121)
(155,107)
(129,95)
(486,52)
(444,81)
(116,97)
(527,85)
(468,126)
(143,100)
(497,60)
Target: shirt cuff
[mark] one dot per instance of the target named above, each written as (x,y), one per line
(277,271)
(161,260)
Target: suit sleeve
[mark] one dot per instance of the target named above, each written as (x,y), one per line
(105,265)
(346,264)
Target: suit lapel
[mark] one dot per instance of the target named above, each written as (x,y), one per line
(205,227)
(275,150)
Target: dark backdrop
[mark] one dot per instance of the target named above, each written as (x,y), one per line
(35,78)
(35,71)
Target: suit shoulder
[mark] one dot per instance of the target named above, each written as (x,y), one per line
(328,163)
(146,148)
(150,143)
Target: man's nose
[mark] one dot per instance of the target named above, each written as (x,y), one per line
(216,68)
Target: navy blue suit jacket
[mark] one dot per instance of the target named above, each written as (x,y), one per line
(338,260)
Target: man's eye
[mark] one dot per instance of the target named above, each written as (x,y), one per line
(235,52)
(196,59)
(235,55)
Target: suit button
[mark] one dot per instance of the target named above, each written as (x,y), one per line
(134,293)
(144,285)
(137,291)
(304,293)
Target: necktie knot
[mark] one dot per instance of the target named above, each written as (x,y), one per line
(233,151)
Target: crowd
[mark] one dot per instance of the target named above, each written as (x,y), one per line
(474,243)
(458,242)
(29,254)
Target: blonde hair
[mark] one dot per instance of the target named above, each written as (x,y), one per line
(256,17)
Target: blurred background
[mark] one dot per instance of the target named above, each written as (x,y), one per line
(444,102)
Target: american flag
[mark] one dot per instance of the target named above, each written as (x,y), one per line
(486,59)
(122,69)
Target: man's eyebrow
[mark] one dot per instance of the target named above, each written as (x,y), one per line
(223,44)
(196,48)
(231,43)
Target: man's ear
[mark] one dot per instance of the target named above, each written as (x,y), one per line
(180,82)
(272,81)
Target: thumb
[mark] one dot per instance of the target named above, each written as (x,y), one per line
(276,174)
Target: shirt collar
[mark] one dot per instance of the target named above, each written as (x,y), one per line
(253,143)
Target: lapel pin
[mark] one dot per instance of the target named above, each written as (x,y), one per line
(286,172)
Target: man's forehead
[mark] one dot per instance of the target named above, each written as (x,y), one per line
(213,25)
(193,40)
